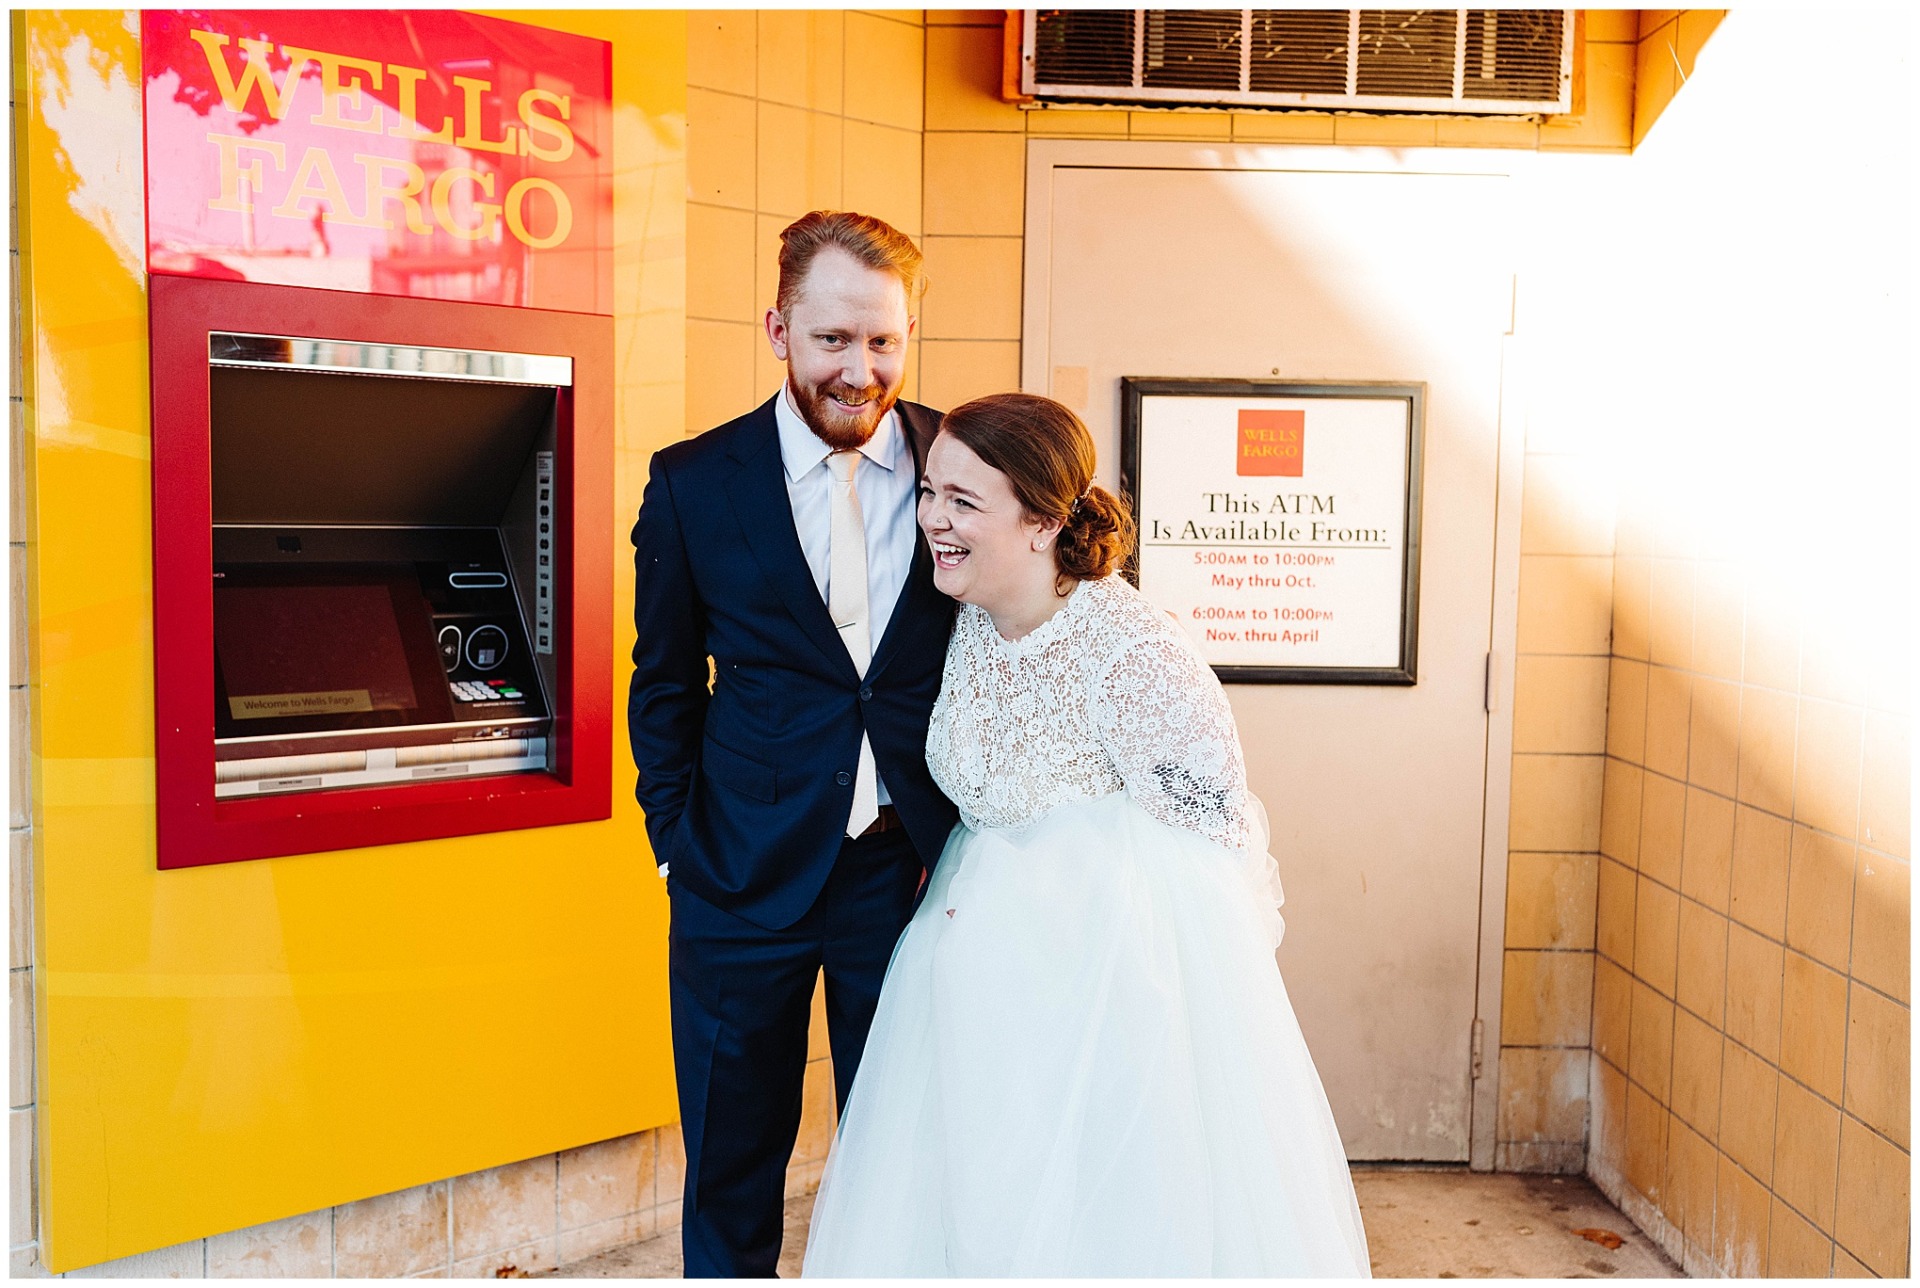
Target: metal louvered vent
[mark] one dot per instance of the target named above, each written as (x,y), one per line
(1483,61)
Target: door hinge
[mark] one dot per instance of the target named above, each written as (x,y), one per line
(1479,1047)
(1486,685)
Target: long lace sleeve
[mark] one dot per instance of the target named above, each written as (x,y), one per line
(1162,717)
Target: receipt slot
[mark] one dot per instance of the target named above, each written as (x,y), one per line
(382,569)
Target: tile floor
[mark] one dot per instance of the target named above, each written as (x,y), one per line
(1422,1223)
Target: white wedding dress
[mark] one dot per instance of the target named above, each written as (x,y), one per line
(1084,1061)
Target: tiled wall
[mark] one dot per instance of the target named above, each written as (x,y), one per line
(1751,1008)
(22,1233)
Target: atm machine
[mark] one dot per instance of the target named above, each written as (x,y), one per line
(386,615)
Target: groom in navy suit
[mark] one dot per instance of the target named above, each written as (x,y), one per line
(790,645)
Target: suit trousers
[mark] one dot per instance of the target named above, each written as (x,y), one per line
(742,998)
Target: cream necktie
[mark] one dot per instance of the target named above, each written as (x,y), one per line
(847,601)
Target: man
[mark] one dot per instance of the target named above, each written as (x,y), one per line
(787,798)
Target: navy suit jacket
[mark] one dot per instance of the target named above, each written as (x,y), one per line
(747,787)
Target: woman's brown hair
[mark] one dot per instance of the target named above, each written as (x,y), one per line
(1047,455)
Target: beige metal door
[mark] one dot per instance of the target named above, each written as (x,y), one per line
(1376,793)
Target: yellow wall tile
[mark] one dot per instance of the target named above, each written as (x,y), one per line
(963,81)
(1388,132)
(1282,127)
(955,371)
(1871,1218)
(1670,613)
(883,175)
(816,1112)
(976,184)
(1656,934)
(1560,704)
(1606,125)
(799,161)
(1546,999)
(721,140)
(1669,711)
(1614,918)
(1886,802)
(1627,709)
(1877,1077)
(994,18)
(1706,857)
(801,57)
(1719,619)
(1663,813)
(1165,124)
(1647,1122)
(1796,1250)
(1486,132)
(1612,26)
(1556,803)
(1543,1094)
(1768,721)
(1742,1207)
(720,259)
(1714,735)
(1550,902)
(1565,604)
(1620,812)
(1806,1153)
(1755,969)
(1750,1088)
(975,289)
(1607,1131)
(1650,1045)
(1820,896)
(1653,20)
(1069,123)
(1655,82)
(1813,1025)
(912,17)
(885,71)
(1692,1170)
(720,50)
(1700,983)
(766,262)
(1632,604)
(1696,1074)
(720,382)
(1612,1012)
(1882,920)
(1826,767)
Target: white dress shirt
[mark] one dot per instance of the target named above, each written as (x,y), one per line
(889,496)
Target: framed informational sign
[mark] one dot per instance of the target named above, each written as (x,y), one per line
(1280,522)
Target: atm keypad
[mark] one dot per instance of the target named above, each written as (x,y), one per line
(488,691)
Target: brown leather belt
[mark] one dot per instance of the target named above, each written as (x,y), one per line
(888,820)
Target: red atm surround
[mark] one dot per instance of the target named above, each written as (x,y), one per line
(193,828)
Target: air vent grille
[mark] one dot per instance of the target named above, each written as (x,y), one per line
(1487,61)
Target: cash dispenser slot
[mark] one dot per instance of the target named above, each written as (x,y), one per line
(382,547)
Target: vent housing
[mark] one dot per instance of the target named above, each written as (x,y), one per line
(1507,62)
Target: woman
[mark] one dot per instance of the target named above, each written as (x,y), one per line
(1084,1061)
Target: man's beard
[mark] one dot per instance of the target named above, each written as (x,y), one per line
(834,427)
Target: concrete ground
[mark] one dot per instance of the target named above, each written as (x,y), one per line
(1422,1223)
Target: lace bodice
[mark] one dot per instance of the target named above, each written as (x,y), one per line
(1106,695)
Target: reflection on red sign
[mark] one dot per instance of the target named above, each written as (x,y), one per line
(415,152)
(1272,443)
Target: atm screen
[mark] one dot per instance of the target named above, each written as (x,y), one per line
(311,650)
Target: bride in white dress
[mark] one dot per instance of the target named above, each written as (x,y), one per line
(1084,1061)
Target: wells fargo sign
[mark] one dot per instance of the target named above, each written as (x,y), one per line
(425,153)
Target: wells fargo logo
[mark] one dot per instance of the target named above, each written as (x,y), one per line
(424,152)
(388,189)
(1272,443)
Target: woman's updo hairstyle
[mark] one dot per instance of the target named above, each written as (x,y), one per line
(1047,455)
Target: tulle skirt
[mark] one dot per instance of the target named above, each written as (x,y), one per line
(1084,1063)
